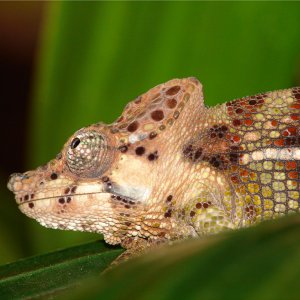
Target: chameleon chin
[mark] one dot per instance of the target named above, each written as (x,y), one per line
(170,168)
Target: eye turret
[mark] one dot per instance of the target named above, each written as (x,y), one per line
(88,154)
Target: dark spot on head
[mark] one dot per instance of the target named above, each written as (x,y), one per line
(26,197)
(192,213)
(173,90)
(199,205)
(152,135)
(205,205)
(169,198)
(140,150)
(32,196)
(216,164)
(153,156)
(73,189)
(75,143)
(61,200)
(187,150)
(171,103)
(31,205)
(192,153)
(53,176)
(198,154)
(133,126)
(127,206)
(127,223)
(157,115)
(69,199)
(123,149)
(67,190)
(168,213)
(252,102)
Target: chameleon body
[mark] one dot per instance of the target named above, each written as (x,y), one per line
(170,168)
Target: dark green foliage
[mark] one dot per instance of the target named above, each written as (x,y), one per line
(261,262)
(257,263)
(49,273)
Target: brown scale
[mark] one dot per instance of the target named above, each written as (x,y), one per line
(224,146)
(216,146)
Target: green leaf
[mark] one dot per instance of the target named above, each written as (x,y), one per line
(259,263)
(49,273)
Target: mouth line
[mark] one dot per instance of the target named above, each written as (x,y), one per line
(74,195)
(62,196)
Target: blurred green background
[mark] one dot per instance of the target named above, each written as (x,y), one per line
(66,65)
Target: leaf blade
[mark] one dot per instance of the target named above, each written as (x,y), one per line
(48,273)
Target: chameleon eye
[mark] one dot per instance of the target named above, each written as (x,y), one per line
(88,154)
(75,143)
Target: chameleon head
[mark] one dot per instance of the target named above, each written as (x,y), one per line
(108,177)
(85,188)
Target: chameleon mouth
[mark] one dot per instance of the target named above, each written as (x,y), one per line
(32,189)
(59,196)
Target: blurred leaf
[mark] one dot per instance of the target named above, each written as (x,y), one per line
(13,234)
(49,273)
(259,263)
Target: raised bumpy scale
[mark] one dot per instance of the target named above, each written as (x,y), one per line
(170,168)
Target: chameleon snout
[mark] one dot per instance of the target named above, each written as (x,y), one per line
(23,185)
(14,183)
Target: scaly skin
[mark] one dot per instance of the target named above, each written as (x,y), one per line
(170,168)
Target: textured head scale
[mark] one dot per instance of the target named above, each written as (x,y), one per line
(114,178)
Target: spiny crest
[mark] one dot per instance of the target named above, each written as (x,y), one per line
(153,112)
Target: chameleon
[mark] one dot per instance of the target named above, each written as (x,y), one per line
(170,168)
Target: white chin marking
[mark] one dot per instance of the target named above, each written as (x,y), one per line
(141,193)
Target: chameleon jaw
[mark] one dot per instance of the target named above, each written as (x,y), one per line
(95,206)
